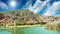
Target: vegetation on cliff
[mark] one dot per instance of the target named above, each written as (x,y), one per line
(26,17)
(20,17)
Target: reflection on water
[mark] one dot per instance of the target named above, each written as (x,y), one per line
(27,30)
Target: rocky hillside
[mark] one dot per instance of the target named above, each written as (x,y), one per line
(28,17)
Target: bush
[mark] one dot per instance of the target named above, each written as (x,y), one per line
(54,25)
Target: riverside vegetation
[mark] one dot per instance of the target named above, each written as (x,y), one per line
(26,17)
(53,26)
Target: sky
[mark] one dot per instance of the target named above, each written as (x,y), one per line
(43,7)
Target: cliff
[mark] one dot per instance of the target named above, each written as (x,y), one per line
(27,17)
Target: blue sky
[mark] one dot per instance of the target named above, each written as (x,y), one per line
(43,7)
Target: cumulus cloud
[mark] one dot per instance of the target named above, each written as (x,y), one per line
(3,6)
(28,5)
(52,10)
(39,5)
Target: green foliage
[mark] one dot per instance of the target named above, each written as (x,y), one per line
(54,25)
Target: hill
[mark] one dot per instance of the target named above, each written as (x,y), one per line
(26,17)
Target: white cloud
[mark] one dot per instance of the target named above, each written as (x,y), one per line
(28,5)
(52,10)
(38,6)
(3,5)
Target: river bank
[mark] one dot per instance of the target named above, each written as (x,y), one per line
(22,26)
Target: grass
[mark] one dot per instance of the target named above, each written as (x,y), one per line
(53,26)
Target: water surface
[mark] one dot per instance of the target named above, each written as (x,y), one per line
(27,30)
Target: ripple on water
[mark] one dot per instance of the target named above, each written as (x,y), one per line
(28,30)
(40,30)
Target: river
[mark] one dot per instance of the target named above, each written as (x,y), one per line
(28,30)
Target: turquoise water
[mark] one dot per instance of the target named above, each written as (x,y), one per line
(28,30)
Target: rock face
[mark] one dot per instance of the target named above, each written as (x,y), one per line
(48,19)
(6,20)
(1,16)
(28,17)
